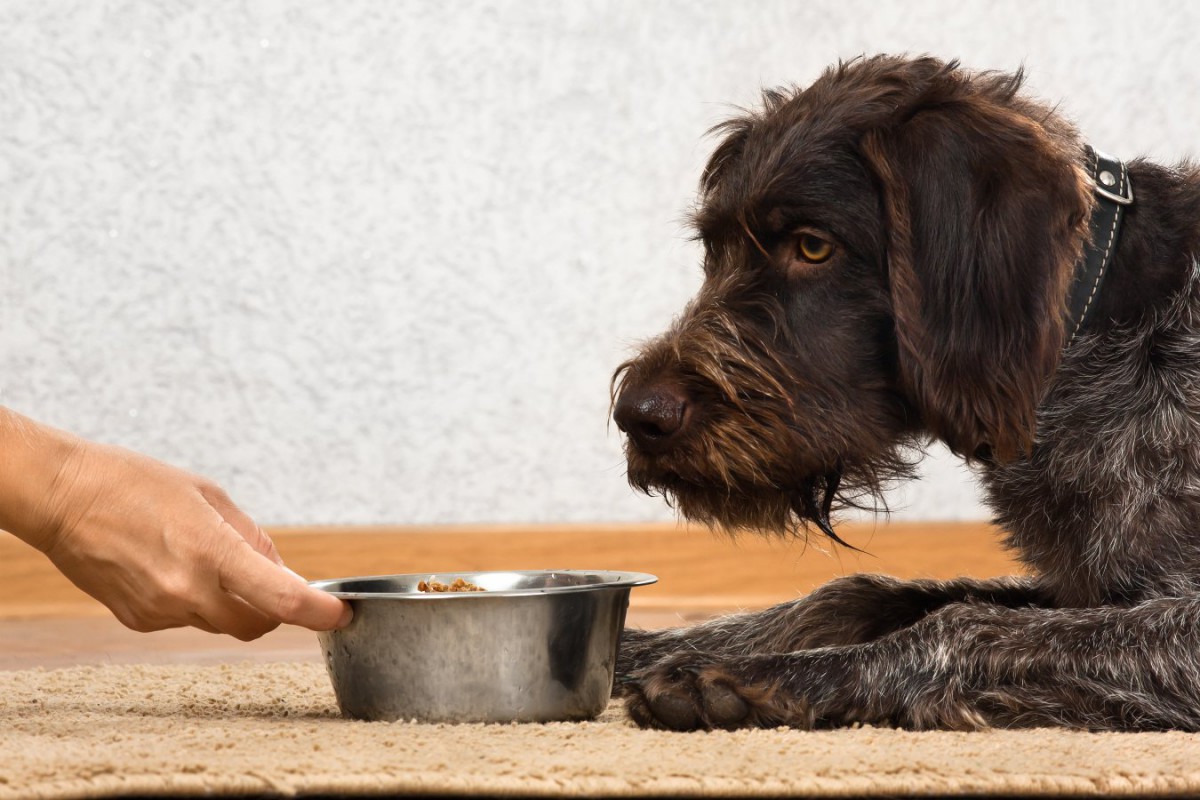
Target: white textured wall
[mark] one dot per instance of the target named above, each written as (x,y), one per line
(375,261)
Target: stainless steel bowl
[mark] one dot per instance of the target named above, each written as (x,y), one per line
(535,646)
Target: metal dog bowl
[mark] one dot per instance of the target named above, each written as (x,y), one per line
(534,646)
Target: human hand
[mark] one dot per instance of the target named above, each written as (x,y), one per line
(163,548)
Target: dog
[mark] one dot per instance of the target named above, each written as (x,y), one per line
(908,251)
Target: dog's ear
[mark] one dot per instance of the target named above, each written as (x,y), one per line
(986,211)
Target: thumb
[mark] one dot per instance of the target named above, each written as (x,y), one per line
(281,594)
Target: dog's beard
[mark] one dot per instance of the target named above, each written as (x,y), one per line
(817,511)
(792,506)
(758,457)
(758,466)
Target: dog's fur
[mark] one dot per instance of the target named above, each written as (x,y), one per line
(957,208)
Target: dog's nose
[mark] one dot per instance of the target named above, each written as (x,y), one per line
(654,416)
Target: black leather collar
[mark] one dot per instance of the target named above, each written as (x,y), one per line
(1110,181)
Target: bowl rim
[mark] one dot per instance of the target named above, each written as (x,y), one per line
(608,579)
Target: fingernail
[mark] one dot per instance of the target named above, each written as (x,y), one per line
(347,615)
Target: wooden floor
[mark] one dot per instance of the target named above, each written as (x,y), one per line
(47,622)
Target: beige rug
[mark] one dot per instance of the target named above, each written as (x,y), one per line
(274,730)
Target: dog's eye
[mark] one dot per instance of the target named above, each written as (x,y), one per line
(813,249)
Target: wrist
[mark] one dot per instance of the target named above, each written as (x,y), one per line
(38,467)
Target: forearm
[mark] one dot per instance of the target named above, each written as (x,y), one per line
(35,461)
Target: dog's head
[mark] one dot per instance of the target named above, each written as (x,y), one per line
(887,257)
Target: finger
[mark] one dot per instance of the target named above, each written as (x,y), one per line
(277,593)
(240,521)
(217,612)
(147,622)
(197,621)
(231,615)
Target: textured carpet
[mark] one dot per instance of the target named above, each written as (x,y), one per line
(274,730)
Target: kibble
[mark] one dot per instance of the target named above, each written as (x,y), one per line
(459,585)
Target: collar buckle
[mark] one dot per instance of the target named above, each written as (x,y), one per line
(1110,179)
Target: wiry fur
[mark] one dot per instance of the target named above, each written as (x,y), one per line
(741,472)
(959,209)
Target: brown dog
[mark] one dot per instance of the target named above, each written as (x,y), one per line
(902,251)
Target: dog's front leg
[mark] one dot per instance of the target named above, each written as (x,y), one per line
(963,666)
(849,610)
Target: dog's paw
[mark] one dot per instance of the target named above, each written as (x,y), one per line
(690,691)
(637,651)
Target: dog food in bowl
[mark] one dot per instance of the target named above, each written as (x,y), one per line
(459,585)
